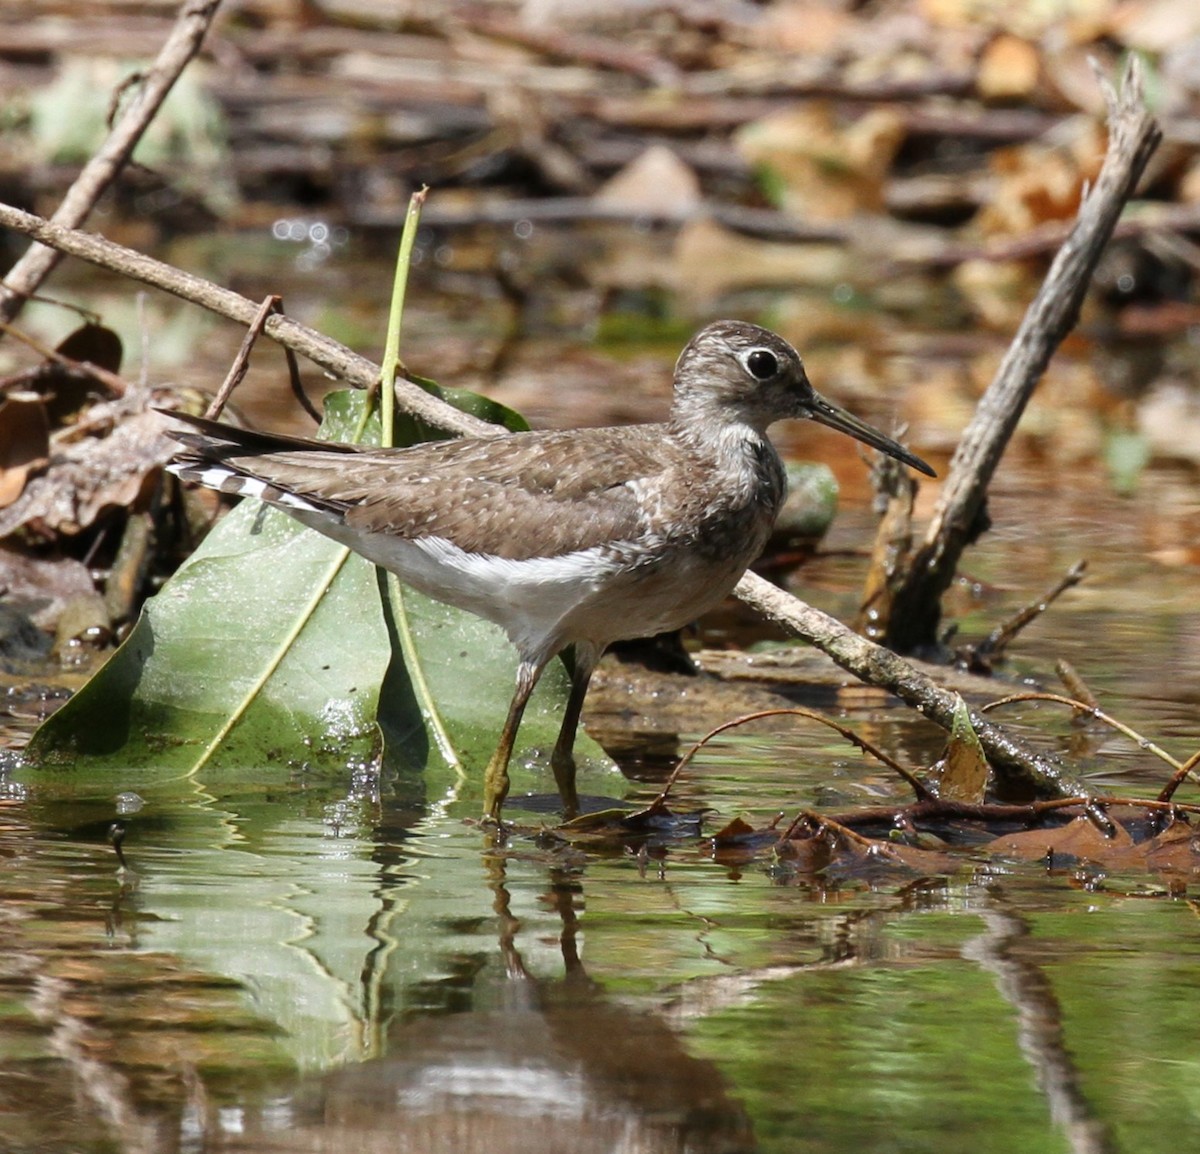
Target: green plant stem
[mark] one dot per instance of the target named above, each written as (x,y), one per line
(391,352)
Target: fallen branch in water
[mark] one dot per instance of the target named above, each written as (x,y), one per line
(961,514)
(1016,763)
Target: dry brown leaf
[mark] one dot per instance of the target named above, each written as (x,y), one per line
(1169,419)
(93,356)
(1188,189)
(1008,69)
(965,769)
(826,169)
(1175,852)
(91,475)
(926,862)
(1177,557)
(830,849)
(1155,25)
(800,26)
(69,391)
(1029,20)
(998,291)
(1080,838)
(734,833)
(24,443)
(1036,183)
(42,587)
(807,854)
(710,260)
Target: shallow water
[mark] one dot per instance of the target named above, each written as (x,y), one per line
(317,971)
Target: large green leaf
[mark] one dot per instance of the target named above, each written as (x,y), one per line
(410,429)
(266,648)
(266,653)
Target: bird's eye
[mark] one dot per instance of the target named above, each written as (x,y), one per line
(762,364)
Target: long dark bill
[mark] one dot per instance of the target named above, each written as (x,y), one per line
(827,413)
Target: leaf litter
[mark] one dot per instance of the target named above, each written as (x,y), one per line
(955,822)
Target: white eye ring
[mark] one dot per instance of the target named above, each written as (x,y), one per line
(761,364)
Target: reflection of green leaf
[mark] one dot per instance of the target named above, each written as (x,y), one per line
(269,649)
(256,891)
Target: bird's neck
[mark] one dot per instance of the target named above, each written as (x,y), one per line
(741,455)
(715,433)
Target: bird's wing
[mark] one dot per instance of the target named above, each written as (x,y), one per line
(518,496)
(529,495)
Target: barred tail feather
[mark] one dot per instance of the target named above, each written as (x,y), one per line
(213,475)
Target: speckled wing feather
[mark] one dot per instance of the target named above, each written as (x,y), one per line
(539,494)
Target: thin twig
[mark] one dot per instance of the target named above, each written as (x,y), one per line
(824,824)
(1075,684)
(918,787)
(272,305)
(1180,775)
(939,809)
(237,370)
(297,385)
(114,382)
(181,46)
(1089,711)
(338,360)
(1006,632)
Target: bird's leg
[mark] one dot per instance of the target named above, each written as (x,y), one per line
(495,777)
(562,760)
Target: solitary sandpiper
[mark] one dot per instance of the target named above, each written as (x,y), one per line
(580,537)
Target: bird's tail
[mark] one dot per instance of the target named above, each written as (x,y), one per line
(221,456)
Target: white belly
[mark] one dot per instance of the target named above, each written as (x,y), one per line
(548,603)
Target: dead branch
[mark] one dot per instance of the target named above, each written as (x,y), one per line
(335,358)
(993,646)
(961,513)
(1075,684)
(605,53)
(1188,768)
(1017,766)
(181,46)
